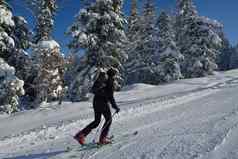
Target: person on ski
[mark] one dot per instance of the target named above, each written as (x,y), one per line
(103,90)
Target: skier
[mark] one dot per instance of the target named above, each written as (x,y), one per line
(103,90)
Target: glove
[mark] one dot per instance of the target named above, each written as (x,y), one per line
(117,110)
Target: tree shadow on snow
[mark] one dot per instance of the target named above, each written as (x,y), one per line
(37,156)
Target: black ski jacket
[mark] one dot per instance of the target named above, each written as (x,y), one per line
(104,93)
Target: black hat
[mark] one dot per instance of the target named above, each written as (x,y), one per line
(112,72)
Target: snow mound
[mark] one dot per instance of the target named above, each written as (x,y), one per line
(48,44)
(232,72)
(137,86)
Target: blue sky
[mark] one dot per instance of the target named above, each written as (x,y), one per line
(224,11)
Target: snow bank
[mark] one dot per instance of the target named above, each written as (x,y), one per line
(138,86)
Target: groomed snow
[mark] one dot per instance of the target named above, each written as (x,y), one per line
(187,119)
(139,86)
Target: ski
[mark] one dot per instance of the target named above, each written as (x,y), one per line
(95,145)
(88,146)
(91,145)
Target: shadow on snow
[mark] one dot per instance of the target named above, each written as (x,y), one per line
(37,156)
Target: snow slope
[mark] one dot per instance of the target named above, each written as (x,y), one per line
(195,118)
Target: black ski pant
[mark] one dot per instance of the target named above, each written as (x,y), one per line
(100,108)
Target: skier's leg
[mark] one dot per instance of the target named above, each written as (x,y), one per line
(93,124)
(80,136)
(108,120)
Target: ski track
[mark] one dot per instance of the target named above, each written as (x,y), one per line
(220,144)
(139,109)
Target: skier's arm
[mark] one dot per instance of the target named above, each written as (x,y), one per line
(97,88)
(112,100)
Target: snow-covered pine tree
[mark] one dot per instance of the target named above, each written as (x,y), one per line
(45,11)
(16,55)
(142,45)
(234,58)
(226,51)
(132,33)
(197,40)
(169,55)
(21,60)
(10,86)
(7,43)
(49,61)
(10,89)
(148,32)
(47,58)
(133,22)
(185,8)
(99,33)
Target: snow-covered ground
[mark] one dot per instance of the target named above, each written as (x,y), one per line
(195,118)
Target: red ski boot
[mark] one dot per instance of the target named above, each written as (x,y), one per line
(104,141)
(80,138)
